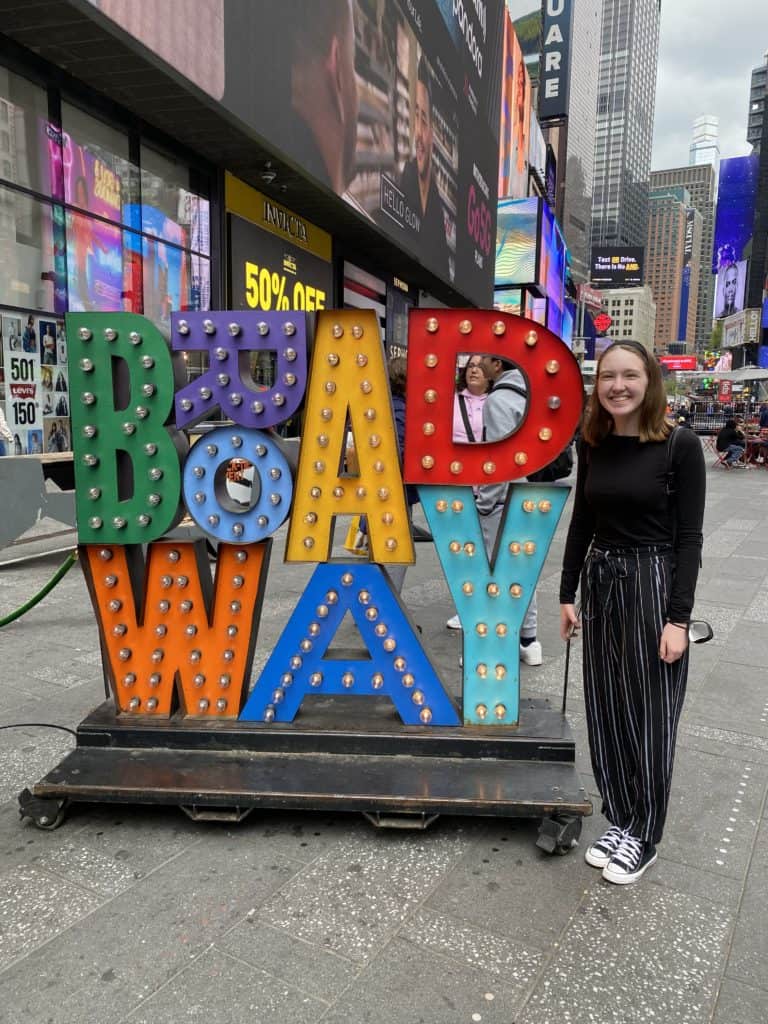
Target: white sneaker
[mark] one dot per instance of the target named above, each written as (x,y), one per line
(453,623)
(630,861)
(602,850)
(532,653)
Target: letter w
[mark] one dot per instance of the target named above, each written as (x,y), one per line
(169,637)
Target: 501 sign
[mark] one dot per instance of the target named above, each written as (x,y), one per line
(23,403)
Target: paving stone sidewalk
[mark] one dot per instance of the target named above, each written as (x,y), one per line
(127,915)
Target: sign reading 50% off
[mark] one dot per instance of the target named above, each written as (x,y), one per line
(269,289)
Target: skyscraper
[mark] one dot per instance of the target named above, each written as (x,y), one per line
(758,104)
(701,182)
(757,134)
(672,266)
(705,141)
(625,107)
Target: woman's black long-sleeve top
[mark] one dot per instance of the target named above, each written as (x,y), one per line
(621,501)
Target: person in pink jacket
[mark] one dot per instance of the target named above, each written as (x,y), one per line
(468,402)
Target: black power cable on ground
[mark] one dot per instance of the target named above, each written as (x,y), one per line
(57,576)
(39,725)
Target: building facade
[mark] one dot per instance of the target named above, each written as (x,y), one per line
(701,184)
(625,110)
(705,141)
(672,267)
(758,104)
(198,155)
(633,312)
(757,135)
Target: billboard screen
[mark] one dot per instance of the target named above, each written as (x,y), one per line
(517,228)
(510,300)
(685,283)
(552,268)
(393,106)
(617,267)
(94,247)
(730,286)
(737,190)
(267,272)
(515,118)
(554,72)
(678,362)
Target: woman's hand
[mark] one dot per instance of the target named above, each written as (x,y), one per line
(674,641)
(569,621)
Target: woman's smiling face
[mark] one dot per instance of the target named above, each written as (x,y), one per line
(621,386)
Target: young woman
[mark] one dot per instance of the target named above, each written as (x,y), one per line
(636,548)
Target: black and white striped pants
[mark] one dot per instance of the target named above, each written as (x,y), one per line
(633,698)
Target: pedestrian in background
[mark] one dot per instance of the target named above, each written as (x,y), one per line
(471,393)
(6,434)
(635,540)
(731,440)
(503,413)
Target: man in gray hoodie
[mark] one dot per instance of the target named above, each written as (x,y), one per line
(503,413)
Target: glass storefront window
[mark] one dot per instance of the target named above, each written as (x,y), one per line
(23,122)
(173,280)
(94,264)
(167,191)
(27,269)
(98,174)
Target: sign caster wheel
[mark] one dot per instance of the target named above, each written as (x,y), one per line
(45,814)
(559,833)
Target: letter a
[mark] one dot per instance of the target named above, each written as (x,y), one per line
(349,383)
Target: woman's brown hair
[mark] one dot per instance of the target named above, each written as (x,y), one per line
(654,425)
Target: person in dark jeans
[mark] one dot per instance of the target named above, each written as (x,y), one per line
(731,441)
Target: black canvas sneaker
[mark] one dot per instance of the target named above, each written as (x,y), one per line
(600,852)
(630,862)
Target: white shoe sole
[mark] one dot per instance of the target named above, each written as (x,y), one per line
(623,877)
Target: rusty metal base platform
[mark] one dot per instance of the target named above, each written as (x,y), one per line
(347,753)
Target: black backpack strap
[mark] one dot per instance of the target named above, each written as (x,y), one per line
(465,417)
(505,386)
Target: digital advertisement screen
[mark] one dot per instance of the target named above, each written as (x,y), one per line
(516,242)
(509,300)
(536,309)
(734,218)
(617,267)
(267,272)
(552,268)
(569,320)
(730,286)
(393,106)
(515,118)
(685,283)
(94,248)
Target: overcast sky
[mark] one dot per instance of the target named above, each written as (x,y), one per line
(707,49)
